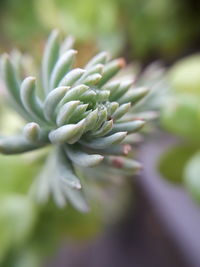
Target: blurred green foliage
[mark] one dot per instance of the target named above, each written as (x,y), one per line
(173,161)
(184,76)
(163,28)
(181,112)
(28,229)
(19,23)
(145,30)
(180,115)
(30,232)
(192,180)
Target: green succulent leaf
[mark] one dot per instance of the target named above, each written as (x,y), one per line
(63,65)
(191,176)
(29,99)
(50,57)
(178,107)
(77,156)
(13,230)
(172,163)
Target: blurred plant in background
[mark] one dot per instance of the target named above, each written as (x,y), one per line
(90,22)
(28,232)
(19,24)
(180,115)
(143,30)
(160,29)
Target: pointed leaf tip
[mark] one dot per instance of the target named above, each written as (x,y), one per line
(66,133)
(31,131)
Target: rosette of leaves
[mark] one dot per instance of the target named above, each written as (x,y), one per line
(79,112)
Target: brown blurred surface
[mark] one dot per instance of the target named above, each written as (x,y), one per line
(140,240)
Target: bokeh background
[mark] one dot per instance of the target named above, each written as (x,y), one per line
(142,30)
(162,40)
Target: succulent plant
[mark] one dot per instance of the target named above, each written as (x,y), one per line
(79,112)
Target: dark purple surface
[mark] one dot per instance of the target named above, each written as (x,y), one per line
(173,204)
(138,241)
(161,228)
